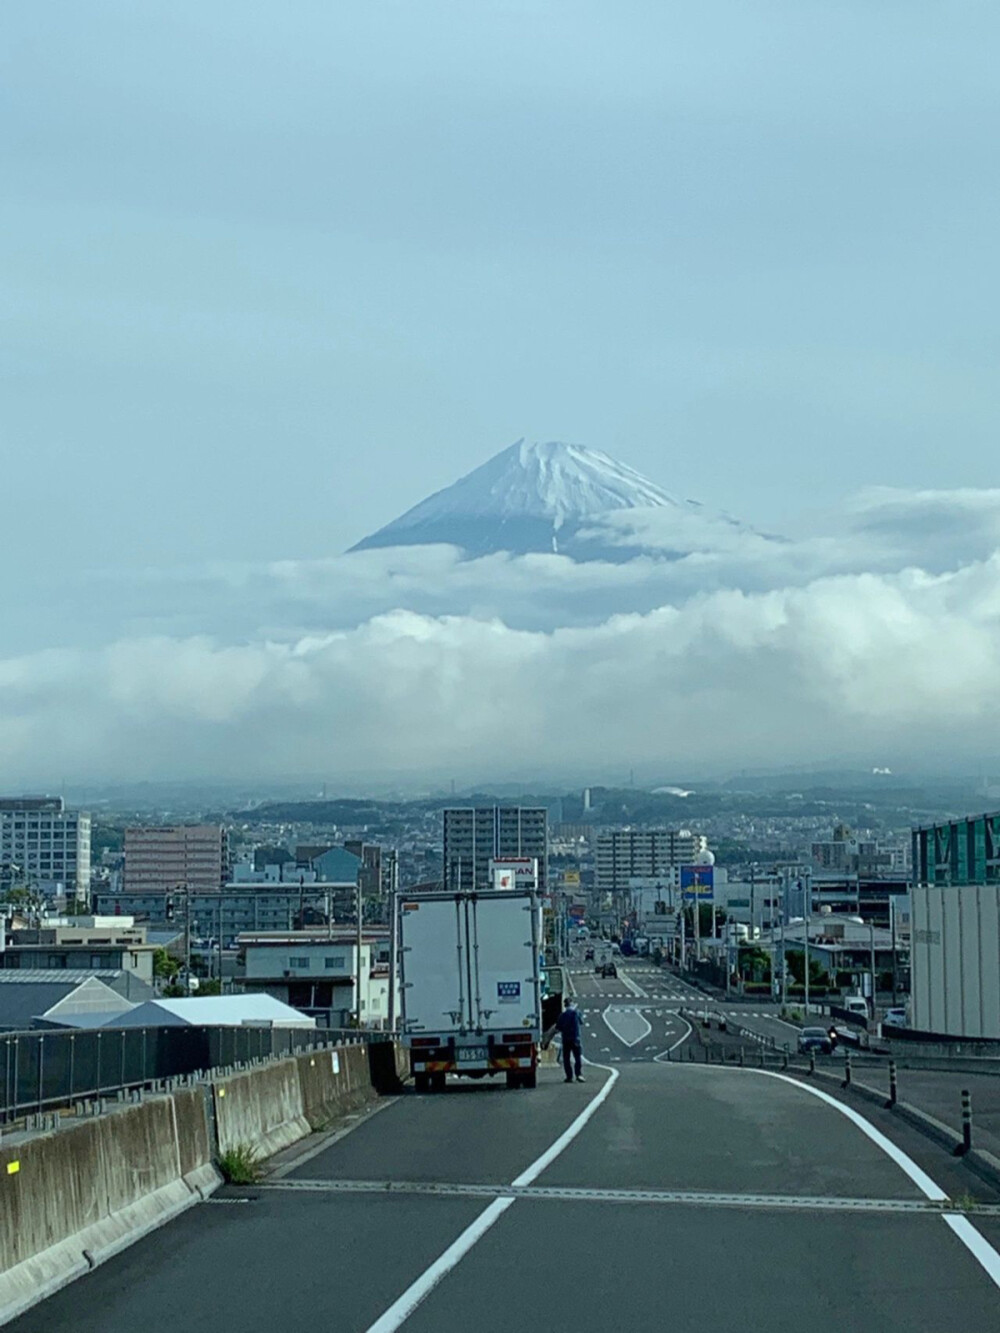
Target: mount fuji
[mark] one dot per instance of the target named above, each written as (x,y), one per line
(561,498)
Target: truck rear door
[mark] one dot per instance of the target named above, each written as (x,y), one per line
(433,964)
(504,937)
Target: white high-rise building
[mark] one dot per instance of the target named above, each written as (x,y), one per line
(44,846)
(628,854)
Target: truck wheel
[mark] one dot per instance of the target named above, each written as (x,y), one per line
(513,1078)
(438,1080)
(529,1079)
(422,1082)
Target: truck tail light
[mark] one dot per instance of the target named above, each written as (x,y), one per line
(427,1041)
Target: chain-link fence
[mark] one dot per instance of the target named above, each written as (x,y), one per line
(48,1069)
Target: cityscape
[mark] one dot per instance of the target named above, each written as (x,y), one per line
(499,642)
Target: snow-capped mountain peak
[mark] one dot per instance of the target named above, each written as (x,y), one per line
(534,497)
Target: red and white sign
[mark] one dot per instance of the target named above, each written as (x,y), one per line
(514,872)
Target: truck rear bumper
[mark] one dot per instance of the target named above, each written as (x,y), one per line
(498,1066)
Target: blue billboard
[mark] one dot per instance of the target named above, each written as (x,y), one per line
(698,883)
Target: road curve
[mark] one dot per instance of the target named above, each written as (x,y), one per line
(810,1223)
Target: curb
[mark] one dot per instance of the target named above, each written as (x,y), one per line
(978,1160)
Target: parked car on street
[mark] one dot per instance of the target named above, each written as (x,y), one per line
(608,970)
(815,1039)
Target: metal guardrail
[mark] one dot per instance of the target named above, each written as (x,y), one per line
(40,1070)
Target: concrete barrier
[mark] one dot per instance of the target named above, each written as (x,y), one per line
(262,1107)
(334,1082)
(271,1107)
(72,1198)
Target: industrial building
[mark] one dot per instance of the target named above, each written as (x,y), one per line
(81,944)
(476,835)
(955,949)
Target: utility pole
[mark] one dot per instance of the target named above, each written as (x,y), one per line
(220,943)
(871,937)
(784,963)
(393,957)
(360,913)
(187,934)
(892,930)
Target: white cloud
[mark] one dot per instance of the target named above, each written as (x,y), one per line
(876,667)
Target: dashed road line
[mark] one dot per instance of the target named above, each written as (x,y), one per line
(588,1194)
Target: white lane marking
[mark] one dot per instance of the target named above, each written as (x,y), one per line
(419,1290)
(635,1040)
(633,986)
(977,1245)
(905,1163)
(684,1037)
(568,1135)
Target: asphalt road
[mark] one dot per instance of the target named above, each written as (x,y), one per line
(693,1197)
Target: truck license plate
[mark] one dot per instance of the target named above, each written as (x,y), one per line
(471,1055)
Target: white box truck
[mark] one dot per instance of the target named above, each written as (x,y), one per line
(470,985)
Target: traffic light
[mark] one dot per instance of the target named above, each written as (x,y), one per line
(169,909)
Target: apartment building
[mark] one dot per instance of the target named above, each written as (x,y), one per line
(626,854)
(475,835)
(45,846)
(161,858)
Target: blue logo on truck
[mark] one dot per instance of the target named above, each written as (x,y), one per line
(508,992)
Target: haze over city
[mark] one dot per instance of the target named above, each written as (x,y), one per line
(271,285)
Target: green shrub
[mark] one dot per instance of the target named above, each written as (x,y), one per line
(239,1165)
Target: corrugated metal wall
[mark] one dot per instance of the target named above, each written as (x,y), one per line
(955,960)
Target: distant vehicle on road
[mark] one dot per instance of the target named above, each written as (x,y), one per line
(815,1039)
(856,1005)
(588,956)
(608,970)
(895,1018)
(615,949)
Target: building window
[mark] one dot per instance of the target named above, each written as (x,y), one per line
(338,962)
(298,962)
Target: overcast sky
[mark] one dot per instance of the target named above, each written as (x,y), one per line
(273,272)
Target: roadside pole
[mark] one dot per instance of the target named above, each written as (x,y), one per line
(393,960)
(784,961)
(187,936)
(357,960)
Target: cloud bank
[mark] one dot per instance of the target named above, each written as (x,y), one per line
(880,644)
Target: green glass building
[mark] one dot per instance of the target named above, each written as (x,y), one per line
(961,851)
